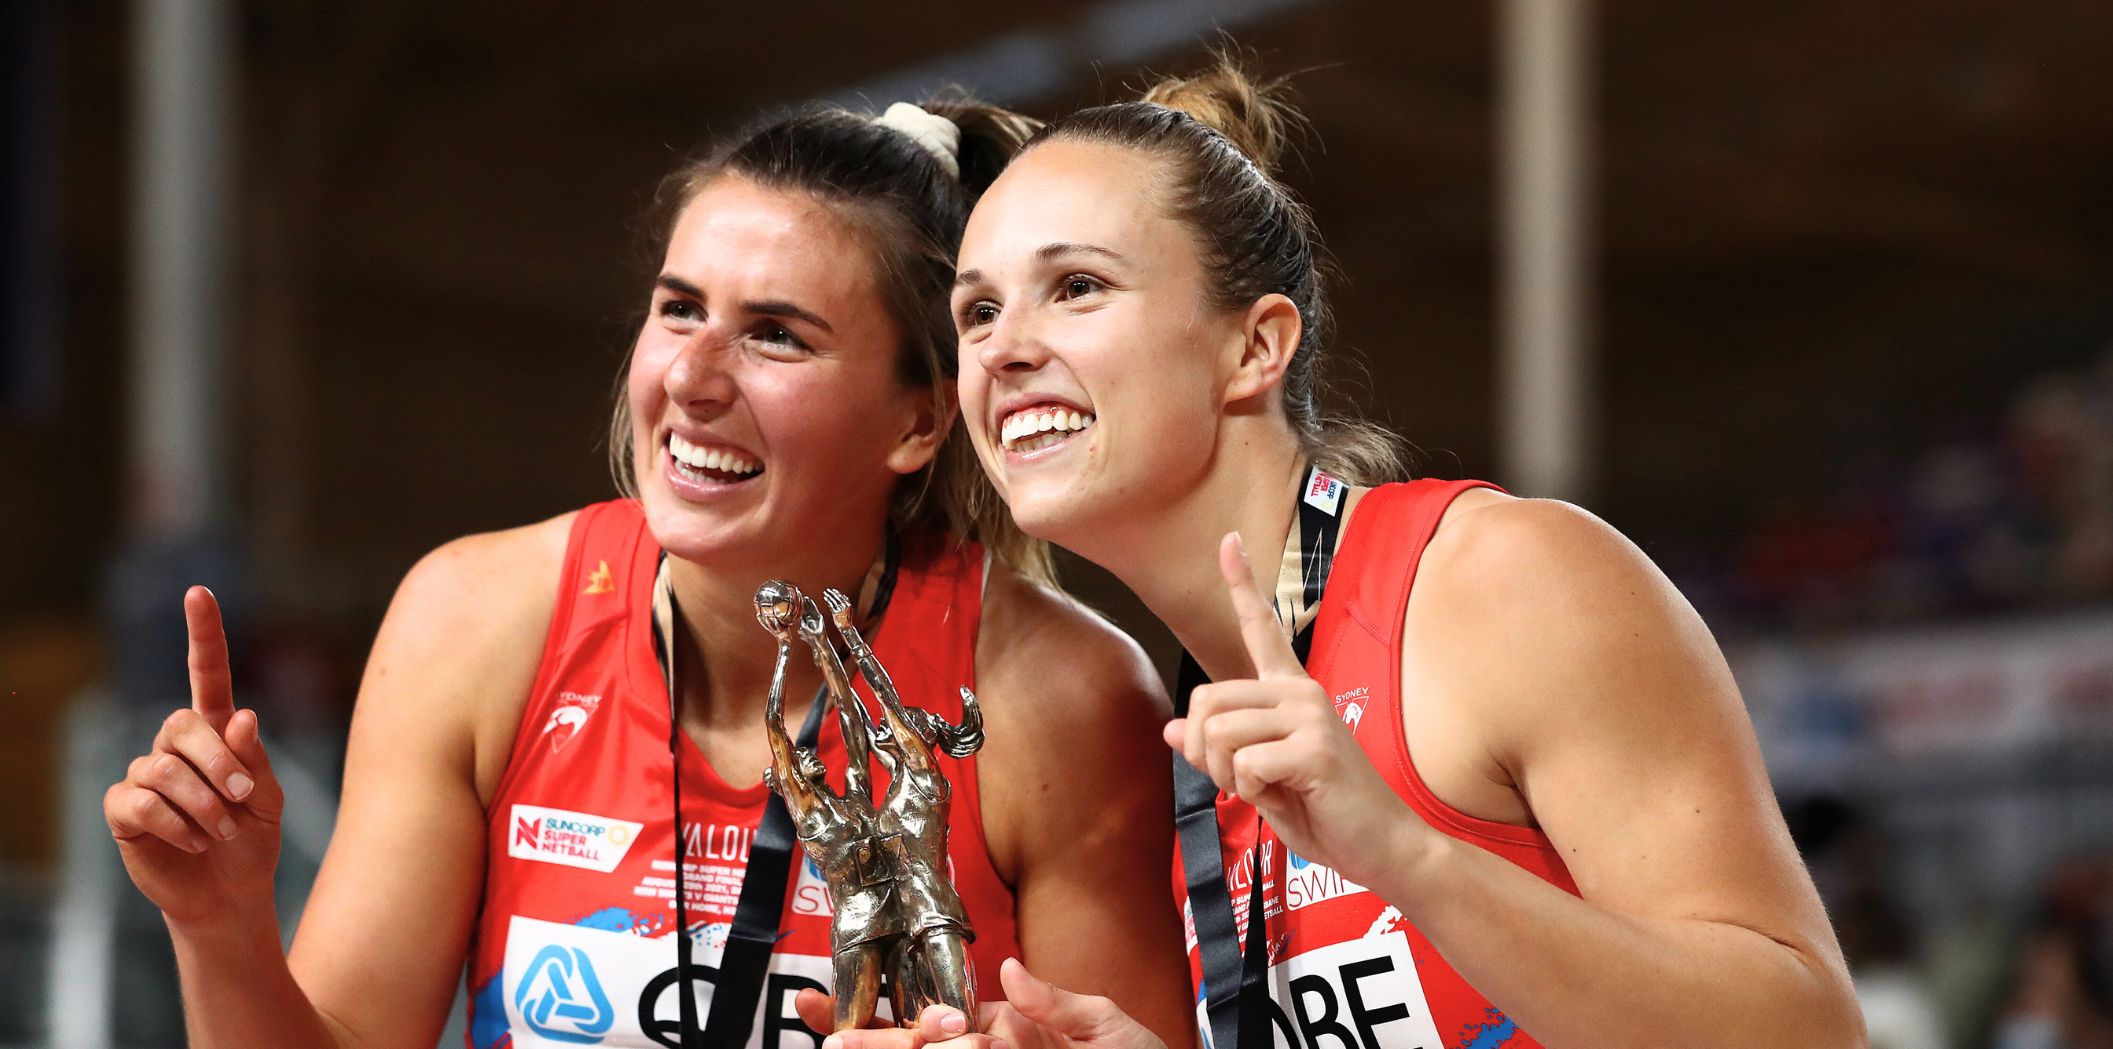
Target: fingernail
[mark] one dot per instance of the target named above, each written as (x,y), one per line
(227,828)
(193,845)
(239,785)
(953,1023)
(834,1041)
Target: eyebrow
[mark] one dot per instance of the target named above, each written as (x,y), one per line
(1049,253)
(766,307)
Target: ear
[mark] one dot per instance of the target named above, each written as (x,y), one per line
(929,415)
(1269,338)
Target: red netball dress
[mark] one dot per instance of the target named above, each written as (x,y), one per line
(575,942)
(1346,970)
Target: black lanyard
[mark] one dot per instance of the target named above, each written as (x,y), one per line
(738,987)
(1236,980)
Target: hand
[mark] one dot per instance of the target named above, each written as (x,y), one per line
(811,622)
(839,607)
(1275,740)
(197,818)
(1035,1015)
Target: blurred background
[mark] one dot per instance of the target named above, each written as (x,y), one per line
(1812,300)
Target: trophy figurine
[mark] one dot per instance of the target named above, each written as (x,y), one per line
(884,862)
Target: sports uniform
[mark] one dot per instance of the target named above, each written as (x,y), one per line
(574,943)
(1346,970)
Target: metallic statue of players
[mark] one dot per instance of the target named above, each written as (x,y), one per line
(896,909)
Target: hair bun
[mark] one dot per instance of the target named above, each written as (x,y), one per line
(1253,114)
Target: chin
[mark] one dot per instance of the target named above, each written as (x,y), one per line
(1050,512)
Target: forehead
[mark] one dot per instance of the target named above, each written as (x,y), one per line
(1071,191)
(760,240)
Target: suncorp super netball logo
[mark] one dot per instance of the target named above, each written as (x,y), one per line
(574,839)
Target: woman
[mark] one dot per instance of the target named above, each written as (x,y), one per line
(1519,804)
(546,706)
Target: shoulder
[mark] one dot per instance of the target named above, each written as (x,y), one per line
(1495,556)
(1519,600)
(480,589)
(1073,764)
(461,642)
(1030,630)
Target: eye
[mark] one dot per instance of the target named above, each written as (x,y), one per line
(1078,285)
(779,335)
(976,314)
(682,311)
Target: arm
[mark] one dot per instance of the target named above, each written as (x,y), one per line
(1555,642)
(449,672)
(901,744)
(850,710)
(1076,799)
(784,772)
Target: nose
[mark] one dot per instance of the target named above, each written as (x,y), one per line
(1014,344)
(700,379)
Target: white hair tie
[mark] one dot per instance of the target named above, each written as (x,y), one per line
(939,136)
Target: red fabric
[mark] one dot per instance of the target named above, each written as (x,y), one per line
(574,945)
(1347,971)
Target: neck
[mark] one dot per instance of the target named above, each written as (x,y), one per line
(725,659)
(1168,555)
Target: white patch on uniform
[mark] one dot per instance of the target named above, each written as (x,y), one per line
(572,839)
(568,986)
(1360,994)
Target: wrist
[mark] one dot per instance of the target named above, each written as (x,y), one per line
(1413,857)
(230,931)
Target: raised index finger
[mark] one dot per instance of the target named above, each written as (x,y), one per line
(212,691)
(1266,645)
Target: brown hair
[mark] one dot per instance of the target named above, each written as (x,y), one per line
(1219,134)
(911,212)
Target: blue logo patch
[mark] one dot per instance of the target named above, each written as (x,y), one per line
(561,998)
(1298,862)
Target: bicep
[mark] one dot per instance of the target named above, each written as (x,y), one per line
(1623,729)
(390,916)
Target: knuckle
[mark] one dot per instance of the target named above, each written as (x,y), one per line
(143,807)
(140,770)
(177,719)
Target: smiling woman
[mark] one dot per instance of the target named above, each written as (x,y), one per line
(1456,768)
(544,784)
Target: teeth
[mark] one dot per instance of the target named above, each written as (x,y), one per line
(699,457)
(1024,430)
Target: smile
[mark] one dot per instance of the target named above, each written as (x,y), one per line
(710,464)
(1040,426)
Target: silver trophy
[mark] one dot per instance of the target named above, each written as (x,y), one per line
(884,862)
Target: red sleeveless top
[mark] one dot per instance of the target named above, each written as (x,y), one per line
(1347,971)
(574,945)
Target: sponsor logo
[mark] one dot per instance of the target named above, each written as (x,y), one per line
(639,988)
(573,839)
(1362,994)
(1325,493)
(601,580)
(568,716)
(560,998)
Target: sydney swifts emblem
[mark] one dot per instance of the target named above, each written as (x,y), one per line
(567,717)
(601,580)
